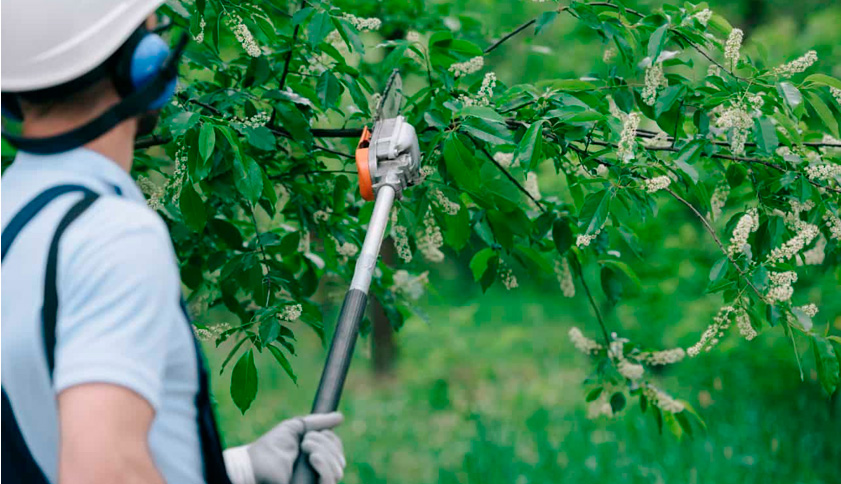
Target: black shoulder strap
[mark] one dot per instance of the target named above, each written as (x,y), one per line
(31,209)
(18,465)
(49,312)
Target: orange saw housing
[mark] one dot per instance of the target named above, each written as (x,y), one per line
(365,184)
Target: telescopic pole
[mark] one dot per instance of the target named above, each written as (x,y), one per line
(347,328)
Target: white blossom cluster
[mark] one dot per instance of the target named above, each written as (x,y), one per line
(321,215)
(153,192)
(836,93)
(744,227)
(833,223)
(797,65)
(823,171)
(584,240)
(609,55)
(704,16)
(719,199)
(714,332)
(259,119)
(211,333)
(655,81)
(733,46)
(486,92)
(445,204)
(505,160)
(657,183)
(431,240)
(345,249)
(664,357)
(660,140)
(290,312)
(506,275)
(628,137)
(467,67)
(363,24)
(781,289)
(531,185)
(564,275)
(662,400)
(738,118)
(199,38)
(601,170)
(583,343)
(809,309)
(744,326)
(243,35)
(805,233)
(816,255)
(426,172)
(600,406)
(630,370)
(409,286)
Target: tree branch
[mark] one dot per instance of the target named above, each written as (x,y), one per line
(508,175)
(282,82)
(507,36)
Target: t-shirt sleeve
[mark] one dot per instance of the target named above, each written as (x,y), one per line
(119,300)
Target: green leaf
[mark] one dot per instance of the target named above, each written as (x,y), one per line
(823,112)
(595,210)
(544,20)
(318,28)
(284,362)
(244,381)
(529,149)
(182,122)
(192,208)
(479,262)
(656,42)
(594,394)
(766,136)
(827,363)
(791,94)
(328,88)
(625,269)
(260,137)
(488,131)
(248,178)
(823,80)
(689,154)
(461,163)
(562,235)
(617,402)
(207,141)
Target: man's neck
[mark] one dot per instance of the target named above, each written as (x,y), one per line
(116,145)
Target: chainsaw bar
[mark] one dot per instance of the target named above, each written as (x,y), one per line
(392,99)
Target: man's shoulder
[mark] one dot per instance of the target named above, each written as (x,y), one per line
(117,216)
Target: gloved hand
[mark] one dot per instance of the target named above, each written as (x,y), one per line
(270,459)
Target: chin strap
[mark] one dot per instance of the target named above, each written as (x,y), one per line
(134,104)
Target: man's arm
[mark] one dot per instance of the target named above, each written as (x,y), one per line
(104,436)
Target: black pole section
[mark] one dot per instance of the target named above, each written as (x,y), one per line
(335,370)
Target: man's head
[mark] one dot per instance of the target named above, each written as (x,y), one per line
(76,70)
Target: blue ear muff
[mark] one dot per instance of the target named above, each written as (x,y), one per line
(147,61)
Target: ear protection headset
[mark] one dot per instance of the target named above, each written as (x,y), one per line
(144,72)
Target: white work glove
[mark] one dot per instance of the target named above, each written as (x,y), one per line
(270,459)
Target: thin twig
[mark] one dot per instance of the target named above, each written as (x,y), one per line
(508,175)
(593,304)
(265,261)
(507,36)
(282,82)
(150,141)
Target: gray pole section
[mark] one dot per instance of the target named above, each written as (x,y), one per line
(347,327)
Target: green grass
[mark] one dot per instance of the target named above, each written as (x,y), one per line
(489,390)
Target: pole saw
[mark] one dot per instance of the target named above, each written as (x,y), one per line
(388,161)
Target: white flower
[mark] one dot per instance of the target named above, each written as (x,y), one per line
(565,277)
(781,289)
(733,45)
(601,170)
(363,24)
(600,406)
(467,67)
(290,313)
(609,55)
(714,332)
(583,343)
(243,35)
(411,287)
(504,159)
(833,223)
(809,309)
(630,370)
(627,141)
(739,120)
(824,171)
(211,333)
(153,192)
(713,71)
(441,201)
(806,232)
(797,65)
(413,36)
(199,38)
(400,235)
(744,326)
(660,140)
(744,227)
(345,249)
(816,255)
(704,16)
(657,183)
(431,240)
(719,199)
(584,240)
(836,93)
(662,400)
(506,275)
(655,81)
(664,357)
(321,215)
(486,91)
(531,185)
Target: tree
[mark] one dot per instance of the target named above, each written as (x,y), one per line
(262,205)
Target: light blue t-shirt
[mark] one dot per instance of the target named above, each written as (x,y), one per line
(119,318)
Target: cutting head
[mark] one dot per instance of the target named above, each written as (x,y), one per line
(389,154)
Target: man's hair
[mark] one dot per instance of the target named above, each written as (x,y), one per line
(40,104)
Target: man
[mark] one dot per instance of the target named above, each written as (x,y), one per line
(102,379)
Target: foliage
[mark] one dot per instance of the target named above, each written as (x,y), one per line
(262,206)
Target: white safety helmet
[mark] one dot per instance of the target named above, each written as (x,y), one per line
(46,43)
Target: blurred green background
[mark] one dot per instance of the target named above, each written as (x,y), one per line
(487,388)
